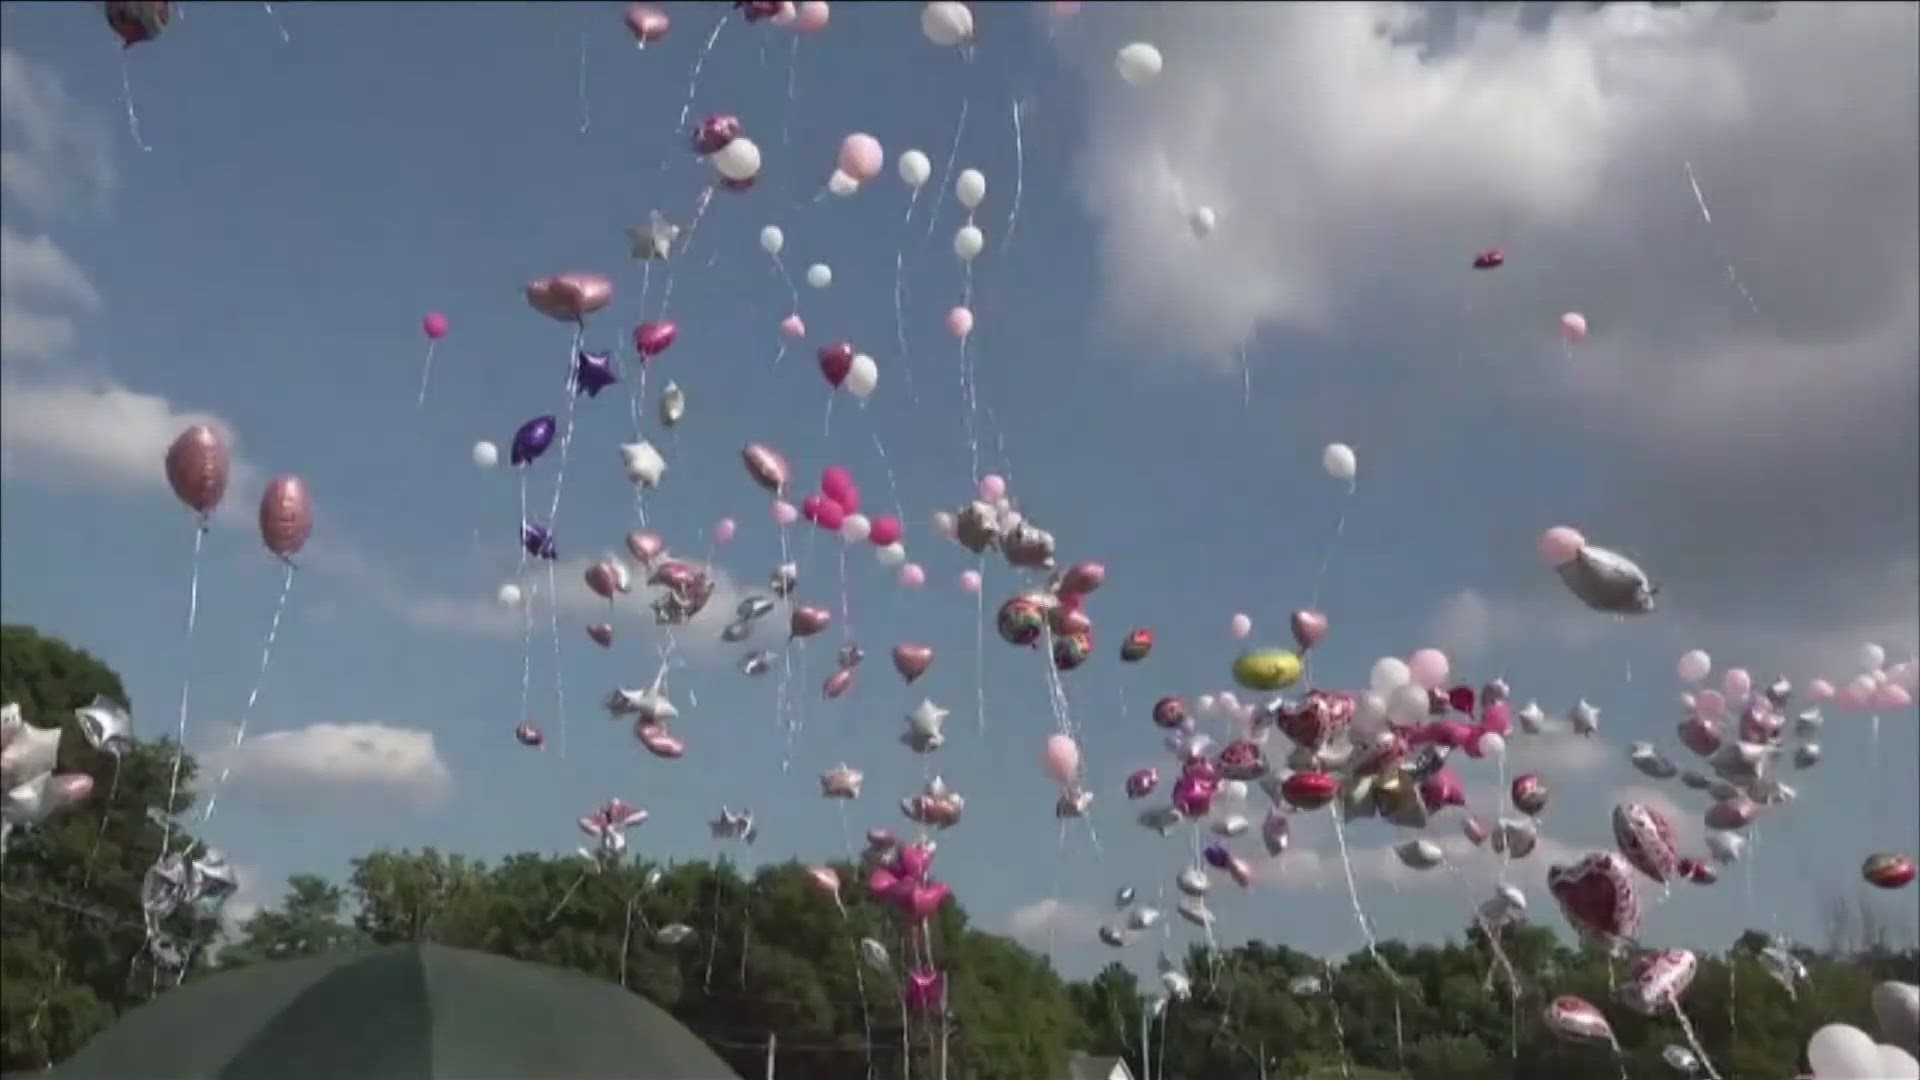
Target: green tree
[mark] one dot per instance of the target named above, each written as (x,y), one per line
(311,921)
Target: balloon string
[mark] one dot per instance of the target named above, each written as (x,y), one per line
(259,683)
(969,392)
(980,645)
(553,523)
(133,114)
(693,82)
(637,394)
(793,293)
(1366,928)
(526,604)
(846,923)
(899,293)
(285,38)
(699,215)
(786,109)
(1693,1040)
(1706,215)
(1019,177)
(946,173)
(586,107)
(113,792)
(186,688)
(1326,555)
(426,372)
(559,683)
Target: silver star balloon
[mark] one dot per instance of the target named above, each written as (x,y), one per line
(655,239)
(1533,719)
(105,725)
(926,727)
(1584,718)
(733,825)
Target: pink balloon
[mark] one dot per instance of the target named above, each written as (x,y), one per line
(960,322)
(1429,668)
(912,576)
(784,512)
(1560,545)
(1498,719)
(1737,684)
(827,514)
(993,488)
(793,328)
(647,23)
(434,325)
(1710,703)
(1573,326)
(723,530)
(886,530)
(860,155)
(1065,9)
(1241,626)
(1892,696)
(786,14)
(812,17)
(1820,690)
(970,582)
(1062,759)
(1849,698)
(836,483)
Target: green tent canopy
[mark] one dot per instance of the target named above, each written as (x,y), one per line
(411,1012)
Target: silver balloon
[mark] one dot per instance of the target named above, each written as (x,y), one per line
(105,725)
(1681,1060)
(1112,938)
(757,662)
(753,607)
(673,933)
(1124,897)
(1194,910)
(875,955)
(1608,581)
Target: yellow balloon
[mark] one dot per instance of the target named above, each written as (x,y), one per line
(1267,669)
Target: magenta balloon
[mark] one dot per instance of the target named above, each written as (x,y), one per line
(836,483)
(198,466)
(886,530)
(286,516)
(434,325)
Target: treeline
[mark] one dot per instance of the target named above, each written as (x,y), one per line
(768,957)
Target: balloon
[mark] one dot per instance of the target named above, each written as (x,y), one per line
(1560,545)
(970,582)
(570,297)
(836,483)
(819,275)
(602,634)
(1872,657)
(655,336)
(434,326)
(1694,665)
(1820,690)
(912,576)
(823,512)
(1840,1052)
(198,466)
(723,530)
(861,156)
(1240,626)
(947,23)
(886,529)
(136,21)
(1596,895)
(1389,674)
(772,239)
(1573,326)
(532,439)
(286,516)
(1646,838)
(1737,684)
(738,161)
(812,16)
(766,465)
(970,187)
(1576,1020)
(1339,461)
(643,463)
(785,513)
(1490,745)
(1896,1009)
(601,578)
(1428,668)
(1062,759)
(807,621)
(893,554)
(1309,628)
(1607,581)
(855,528)
(647,23)
(1887,871)
(1201,220)
(836,362)
(968,242)
(793,328)
(993,488)
(863,377)
(915,169)
(1267,669)
(509,595)
(715,133)
(1138,63)
(1891,696)
(960,322)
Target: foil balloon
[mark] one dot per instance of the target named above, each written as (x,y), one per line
(926,991)
(808,620)
(837,684)
(1022,620)
(655,336)
(1419,854)
(1309,790)
(826,879)
(198,466)
(1082,578)
(1112,937)
(1700,734)
(1490,259)
(1596,895)
(673,404)
(1275,834)
(528,735)
(1136,646)
(286,516)
(1577,1020)
(1073,803)
(715,133)
(593,372)
(659,742)
(912,661)
(841,782)
(1646,838)
(1267,670)
(875,955)
(105,724)
(1073,649)
(1529,794)
(1652,763)
(1314,721)
(1309,628)
(1142,782)
(569,297)
(1659,980)
(532,439)
(1243,760)
(538,541)
(1607,581)
(137,21)
(767,467)
(926,727)
(601,634)
(1886,870)
(646,547)
(673,934)
(646,23)
(1736,812)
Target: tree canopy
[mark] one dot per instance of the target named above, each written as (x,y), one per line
(770,958)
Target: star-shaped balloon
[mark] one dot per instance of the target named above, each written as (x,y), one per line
(655,239)
(1584,718)
(841,782)
(733,825)
(926,727)
(538,540)
(593,372)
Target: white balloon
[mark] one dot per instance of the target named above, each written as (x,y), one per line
(1202,221)
(970,188)
(1339,461)
(947,23)
(969,242)
(862,377)
(486,455)
(510,595)
(1896,1010)
(1409,704)
(1841,1052)
(1897,1064)
(1138,63)
(1694,665)
(819,275)
(915,168)
(738,160)
(855,528)
(841,184)
(892,554)
(772,239)
(1389,673)
(1492,746)
(1872,657)
(1233,792)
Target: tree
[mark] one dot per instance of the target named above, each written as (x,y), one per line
(73,956)
(309,922)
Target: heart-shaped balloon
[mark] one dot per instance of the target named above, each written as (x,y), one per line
(1082,578)
(1700,734)
(836,362)
(1309,628)
(1475,830)
(837,683)
(914,861)
(1443,789)
(881,882)
(1141,782)
(1659,980)
(927,900)
(1645,837)
(655,336)
(1577,1020)
(1596,895)
(1309,790)
(1192,797)
(912,661)
(826,879)
(808,620)
(1315,719)
(659,741)
(646,546)
(602,634)
(569,297)
(766,465)
(926,990)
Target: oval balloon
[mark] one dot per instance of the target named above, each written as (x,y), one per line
(286,516)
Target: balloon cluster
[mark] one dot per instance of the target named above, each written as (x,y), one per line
(734,157)
(900,876)
(203,882)
(30,790)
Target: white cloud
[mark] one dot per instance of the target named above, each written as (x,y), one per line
(101,436)
(54,154)
(334,765)
(1050,921)
(1462,625)
(40,291)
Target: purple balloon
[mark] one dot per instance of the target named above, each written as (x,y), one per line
(532,439)
(1218,856)
(538,540)
(593,372)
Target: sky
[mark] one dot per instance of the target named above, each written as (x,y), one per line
(1742,418)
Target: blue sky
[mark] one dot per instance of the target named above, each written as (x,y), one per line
(305,201)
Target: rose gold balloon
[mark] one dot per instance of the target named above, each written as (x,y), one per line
(602,634)
(570,297)
(912,661)
(659,741)
(603,579)
(837,683)
(198,466)
(766,465)
(70,789)
(826,879)
(648,23)
(286,516)
(807,621)
(646,546)
(1309,627)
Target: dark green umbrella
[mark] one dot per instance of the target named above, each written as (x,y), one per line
(403,1013)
